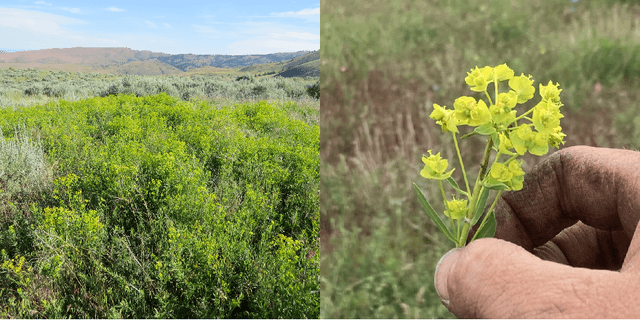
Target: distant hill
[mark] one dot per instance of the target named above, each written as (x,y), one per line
(127,61)
(307,65)
(150,67)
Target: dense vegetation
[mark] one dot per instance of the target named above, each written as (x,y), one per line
(22,87)
(143,205)
(384,64)
(126,61)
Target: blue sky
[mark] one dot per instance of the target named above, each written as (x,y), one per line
(183,26)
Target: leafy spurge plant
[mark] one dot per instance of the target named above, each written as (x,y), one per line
(507,133)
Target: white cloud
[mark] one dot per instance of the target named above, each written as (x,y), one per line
(205,29)
(30,30)
(304,13)
(150,24)
(166,25)
(44,3)
(268,37)
(296,35)
(301,13)
(114,9)
(72,10)
(34,20)
(266,45)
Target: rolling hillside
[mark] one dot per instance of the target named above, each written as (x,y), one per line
(307,65)
(147,68)
(125,61)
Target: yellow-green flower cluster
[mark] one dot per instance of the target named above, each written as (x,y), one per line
(508,177)
(435,167)
(471,112)
(446,118)
(456,209)
(500,119)
(508,133)
(545,121)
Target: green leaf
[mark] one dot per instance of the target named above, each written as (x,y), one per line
(482,201)
(433,215)
(496,139)
(485,129)
(495,186)
(454,184)
(488,230)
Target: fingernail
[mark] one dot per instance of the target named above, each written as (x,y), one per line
(442,273)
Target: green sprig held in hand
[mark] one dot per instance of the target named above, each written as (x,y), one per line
(507,133)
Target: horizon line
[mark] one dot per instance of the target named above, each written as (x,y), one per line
(6,50)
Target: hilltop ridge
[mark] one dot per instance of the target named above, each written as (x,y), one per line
(125,61)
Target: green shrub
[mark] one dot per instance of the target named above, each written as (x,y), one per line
(167,208)
(314,90)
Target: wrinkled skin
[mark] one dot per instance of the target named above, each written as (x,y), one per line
(566,246)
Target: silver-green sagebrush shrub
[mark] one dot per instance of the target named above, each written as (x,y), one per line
(22,164)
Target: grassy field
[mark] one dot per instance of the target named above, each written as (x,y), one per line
(25,87)
(384,64)
(128,206)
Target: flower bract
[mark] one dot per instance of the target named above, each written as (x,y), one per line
(546,116)
(445,118)
(503,72)
(523,86)
(515,184)
(478,79)
(508,177)
(502,113)
(456,209)
(550,92)
(435,167)
(505,144)
(471,112)
(538,144)
(555,138)
(520,138)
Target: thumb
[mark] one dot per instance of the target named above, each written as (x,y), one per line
(492,278)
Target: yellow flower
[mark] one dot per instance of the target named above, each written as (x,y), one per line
(470,112)
(538,144)
(556,137)
(435,167)
(520,138)
(478,79)
(523,86)
(501,112)
(445,118)
(503,72)
(550,92)
(505,144)
(438,112)
(546,116)
(456,209)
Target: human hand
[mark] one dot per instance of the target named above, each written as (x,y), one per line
(558,244)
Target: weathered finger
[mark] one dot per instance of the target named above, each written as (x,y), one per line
(586,247)
(492,278)
(599,187)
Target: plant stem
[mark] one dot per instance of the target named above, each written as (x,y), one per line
(488,97)
(524,114)
(484,220)
(464,173)
(476,193)
(495,84)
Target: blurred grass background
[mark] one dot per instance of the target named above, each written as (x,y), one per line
(384,63)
